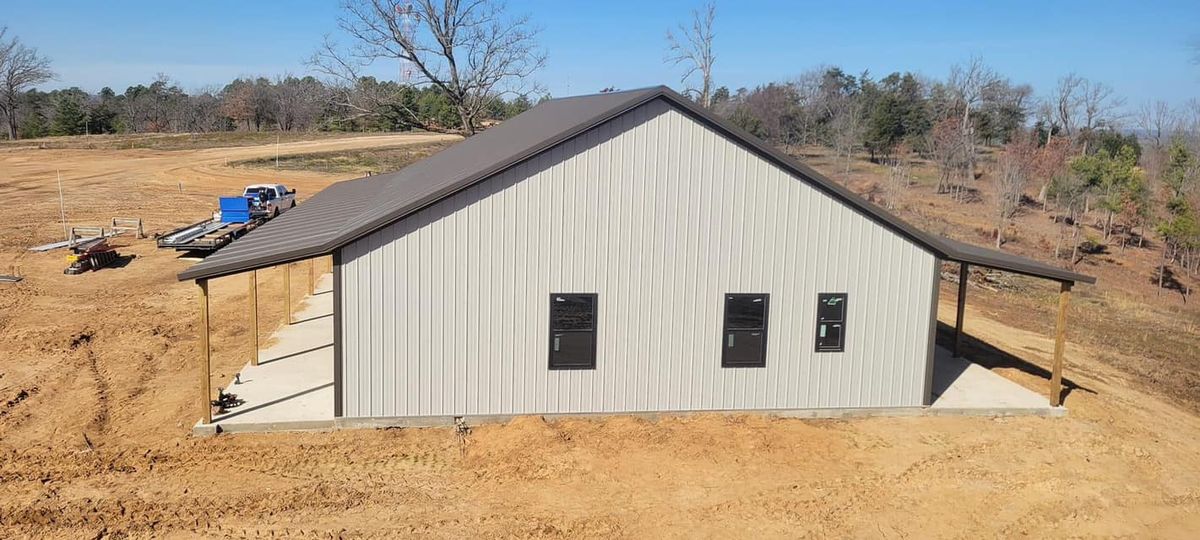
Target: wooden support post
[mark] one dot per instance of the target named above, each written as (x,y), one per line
(312,282)
(254,315)
(205,358)
(287,293)
(1060,345)
(963,275)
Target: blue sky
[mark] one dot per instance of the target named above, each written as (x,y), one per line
(1142,50)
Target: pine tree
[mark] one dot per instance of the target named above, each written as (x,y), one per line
(69,117)
(1179,228)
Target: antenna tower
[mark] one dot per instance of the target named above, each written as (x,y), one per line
(406,16)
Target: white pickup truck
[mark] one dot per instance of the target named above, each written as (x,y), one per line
(271,199)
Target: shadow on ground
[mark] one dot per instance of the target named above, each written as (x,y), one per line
(988,356)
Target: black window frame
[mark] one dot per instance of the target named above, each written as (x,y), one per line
(551,355)
(725,330)
(841,346)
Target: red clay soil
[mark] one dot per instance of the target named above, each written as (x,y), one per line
(98,393)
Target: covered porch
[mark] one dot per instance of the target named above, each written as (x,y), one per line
(968,255)
(287,382)
(291,384)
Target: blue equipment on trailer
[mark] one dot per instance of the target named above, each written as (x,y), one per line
(235,209)
(238,216)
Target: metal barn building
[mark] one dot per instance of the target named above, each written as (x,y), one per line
(619,252)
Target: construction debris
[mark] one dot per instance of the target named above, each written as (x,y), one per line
(225,401)
(121,225)
(79,235)
(90,255)
(13,275)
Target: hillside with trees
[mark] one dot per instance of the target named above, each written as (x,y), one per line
(1106,178)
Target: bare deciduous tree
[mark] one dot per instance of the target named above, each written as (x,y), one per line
(1157,121)
(971,84)
(807,88)
(1066,102)
(1014,167)
(471,50)
(354,93)
(899,175)
(297,102)
(20,68)
(1044,115)
(203,112)
(692,47)
(1100,107)
(846,128)
(945,143)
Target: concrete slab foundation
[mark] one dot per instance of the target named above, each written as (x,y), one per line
(292,385)
(961,387)
(292,388)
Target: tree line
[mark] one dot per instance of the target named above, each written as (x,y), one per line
(284,103)
(463,64)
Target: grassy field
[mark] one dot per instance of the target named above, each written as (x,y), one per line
(374,160)
(177,141)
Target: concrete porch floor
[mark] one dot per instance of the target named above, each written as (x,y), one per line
(292,387)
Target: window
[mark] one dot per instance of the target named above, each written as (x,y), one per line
(831,322)
(573,331)
(744,343)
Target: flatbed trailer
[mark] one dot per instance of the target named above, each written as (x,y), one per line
(208,235)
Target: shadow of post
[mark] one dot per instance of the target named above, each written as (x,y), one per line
(988,356)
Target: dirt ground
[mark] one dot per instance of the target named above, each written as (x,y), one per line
(98,393)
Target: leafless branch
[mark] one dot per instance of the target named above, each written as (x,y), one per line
(469,49)
(20,68)
(693,48)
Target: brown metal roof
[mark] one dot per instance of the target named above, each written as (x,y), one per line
(349,210)
(991,258)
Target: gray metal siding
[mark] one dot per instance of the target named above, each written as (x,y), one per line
(446,312)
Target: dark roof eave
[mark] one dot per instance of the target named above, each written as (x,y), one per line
(249,266)
(1052,274)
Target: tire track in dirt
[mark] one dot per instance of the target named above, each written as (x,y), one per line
(133,515)
(83,342)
